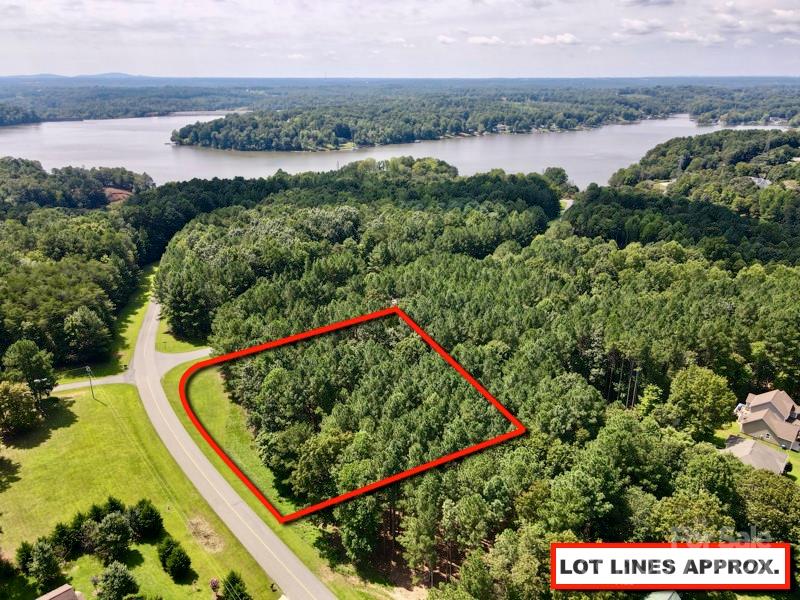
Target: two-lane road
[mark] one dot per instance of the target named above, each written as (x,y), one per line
(147,367)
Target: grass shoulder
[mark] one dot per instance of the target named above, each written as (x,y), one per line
(226,422)
(89,449)
(167,342)
(127,325)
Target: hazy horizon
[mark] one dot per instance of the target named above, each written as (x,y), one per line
(413,39)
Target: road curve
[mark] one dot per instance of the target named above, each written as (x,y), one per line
(292,576)
(296,581)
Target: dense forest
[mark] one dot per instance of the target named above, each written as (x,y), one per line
(622,356)
(92,101)
(734,194)
(407,114)
(330,113)
(64,269)
(15,115)
(622,334)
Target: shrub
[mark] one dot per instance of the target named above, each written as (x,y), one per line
(116,583)
(66,541)
(145,520)
(233,588)
(174,559)
(178,563)
(89,535)
(96,513)
(165,547)
(113,537)
(44,567)
(23,557)
(113,505)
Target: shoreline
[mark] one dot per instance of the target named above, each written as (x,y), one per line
(783,124)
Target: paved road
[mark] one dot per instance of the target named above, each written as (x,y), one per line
(295,580)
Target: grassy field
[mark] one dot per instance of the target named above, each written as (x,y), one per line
(167,342)
(226,423)
(129,322)
(88,450)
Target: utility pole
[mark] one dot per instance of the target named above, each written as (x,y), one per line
(91,386)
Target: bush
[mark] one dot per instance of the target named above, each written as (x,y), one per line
(165,547)
(178,563)
(44,567)
(113,537)
(18,410)
(233,588)
(145,521)
(96,513)
(113,505)
(116,583)
(174,559)
(89,535)
(66,541)
(23,557)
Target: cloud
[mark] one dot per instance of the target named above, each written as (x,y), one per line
(641,27)
(562,39)
(445,39)
(484,40)
(731,23)
(397,41)
(296,56)
(688,37)
(743,42)
(784,28)
(786,14)
(791,41)
(648,2)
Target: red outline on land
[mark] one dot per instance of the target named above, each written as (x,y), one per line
(518,430)
(787,584)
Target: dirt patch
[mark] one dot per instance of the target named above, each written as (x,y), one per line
(115,195)
(400,586)
(202,532)
(416,593)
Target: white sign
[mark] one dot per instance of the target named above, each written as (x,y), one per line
(669,566)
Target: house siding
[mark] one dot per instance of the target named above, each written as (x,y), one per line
(757,429)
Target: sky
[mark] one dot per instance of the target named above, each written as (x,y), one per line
(401,38)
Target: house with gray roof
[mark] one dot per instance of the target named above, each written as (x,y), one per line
(772,417)
(756,454)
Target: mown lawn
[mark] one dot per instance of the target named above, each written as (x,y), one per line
(225,421)
(129,322)
(90,449)
(167,342)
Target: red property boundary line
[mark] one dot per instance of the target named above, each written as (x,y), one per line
(675,586)
(518,430)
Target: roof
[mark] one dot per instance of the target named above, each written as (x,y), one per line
(780,429)
(756,454)
(65,592)
(663,596)
(779,399)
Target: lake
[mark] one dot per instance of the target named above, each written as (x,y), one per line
(143,145)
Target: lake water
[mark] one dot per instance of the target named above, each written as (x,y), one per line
(143,145)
